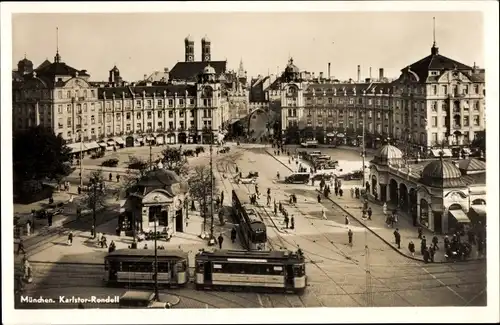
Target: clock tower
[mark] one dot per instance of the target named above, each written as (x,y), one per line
(189,49)
(205,49)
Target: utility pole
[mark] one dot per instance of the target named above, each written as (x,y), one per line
(212,238)
(150,156)
(368,280)
(363,149)
(81,158)
(156,261)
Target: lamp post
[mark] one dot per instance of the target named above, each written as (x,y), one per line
(156,253)
(363,150)
(212,238)
(80,136)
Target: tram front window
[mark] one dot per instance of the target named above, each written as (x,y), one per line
(259,237)
(299,270)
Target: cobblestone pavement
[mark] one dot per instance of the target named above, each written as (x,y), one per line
(339,275)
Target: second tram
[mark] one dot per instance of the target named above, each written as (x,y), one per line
(252,231)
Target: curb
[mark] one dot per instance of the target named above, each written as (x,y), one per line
(373,232)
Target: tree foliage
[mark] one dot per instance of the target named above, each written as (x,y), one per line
(96,195)
(173,159)
(200,185)
(38,154)
(480,141)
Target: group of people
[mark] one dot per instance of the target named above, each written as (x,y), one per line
(288,220)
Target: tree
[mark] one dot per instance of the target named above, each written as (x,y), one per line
(200,185)
(95,198)
(173,159)
(479,141)
(38,154)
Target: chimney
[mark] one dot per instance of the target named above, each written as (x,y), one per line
(370,73)
(321,76)
(359,73)
(329,67)
(381,73)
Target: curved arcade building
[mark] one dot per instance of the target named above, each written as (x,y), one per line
(438,194)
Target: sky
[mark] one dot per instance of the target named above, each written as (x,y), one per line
(140,43)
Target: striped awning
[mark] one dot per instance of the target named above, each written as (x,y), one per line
(76,147)
(103,144)
(119,140)
(460,216)
(91,145)
(111,142)
(446,152)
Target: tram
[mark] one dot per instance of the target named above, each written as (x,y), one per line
(252,231)
(282,271)
(136,266)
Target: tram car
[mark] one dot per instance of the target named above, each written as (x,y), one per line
(252,231)
(129,267)
(276,271)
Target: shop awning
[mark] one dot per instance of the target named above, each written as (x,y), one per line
(479,209)
(159,139)
(103,144)
(330,134)
(91,145)
(76,147)
(467,151)
(119,140)
(149,138)
(111,142)
(340,135)
(139,139)
(446,152)
(460,216)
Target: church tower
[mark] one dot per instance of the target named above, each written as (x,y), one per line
(189,49)
(205,49)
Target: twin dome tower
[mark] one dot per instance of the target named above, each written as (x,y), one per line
(189,49)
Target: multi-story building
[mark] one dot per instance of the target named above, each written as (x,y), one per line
(63,98)
(435,102)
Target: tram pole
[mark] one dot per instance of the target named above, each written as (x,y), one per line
(363,151)
(212,238)
(156,261)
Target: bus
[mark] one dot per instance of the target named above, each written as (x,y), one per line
(282,271)
(136,267)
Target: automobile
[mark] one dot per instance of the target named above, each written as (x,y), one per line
(253,174)
(247,181)
(141,299)
(113,162)
(355,175)
(319,177)
(224,150)
(298,178)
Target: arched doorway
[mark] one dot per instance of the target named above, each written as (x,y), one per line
(182,138)
(424,213)
(129,141)
(479,202)
(412,205)
(171,138)
(403,197)
(374,187)
(393,192)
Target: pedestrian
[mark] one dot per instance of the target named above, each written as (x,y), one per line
(425,254)
(384,208)
(286,221)
(70,238)
(323,213)
(435,243)
(221,198)
(146,246)
(446,241)
(220,240)
(99,238)
(423,245)
(233,235)
(397,238)
(341,192)
(28,228)
(49,219)
(346,220)
(349,235)
(352,193)
(336,191)
(370,212)
(420,230)
(294,198)
(110,177)
(275,208)
(268,200)
(432,251)
(20,247)
(319,198)
(278,175)
(292,223)
(411,248)
(118,178)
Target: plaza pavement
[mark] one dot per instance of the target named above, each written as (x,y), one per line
(353,207)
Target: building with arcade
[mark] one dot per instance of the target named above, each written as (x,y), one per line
(439,194)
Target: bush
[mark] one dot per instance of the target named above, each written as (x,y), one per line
(32,191)
(113,162)
(139,165)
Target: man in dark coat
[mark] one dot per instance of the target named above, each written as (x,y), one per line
(397,238)
(370,212)
(349,235)
(233,235)
(220,239)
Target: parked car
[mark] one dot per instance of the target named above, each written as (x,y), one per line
(355,175)
(253,174)
(113,162)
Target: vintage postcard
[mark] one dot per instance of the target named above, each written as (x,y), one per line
(209,159)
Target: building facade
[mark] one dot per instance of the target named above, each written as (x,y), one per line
(435,102)
(63,98)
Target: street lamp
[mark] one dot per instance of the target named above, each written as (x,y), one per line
(156,297)
(80,135)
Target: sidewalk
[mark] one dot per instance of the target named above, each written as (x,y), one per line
(353,207)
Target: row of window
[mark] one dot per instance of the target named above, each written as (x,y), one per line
(456,105)
(206,124)
(458,121)
(340,124)
(455,89)
(94,106)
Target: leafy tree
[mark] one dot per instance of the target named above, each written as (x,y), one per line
(480,141)
(38,154)
(200,185)
(95,197)
(173,159)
